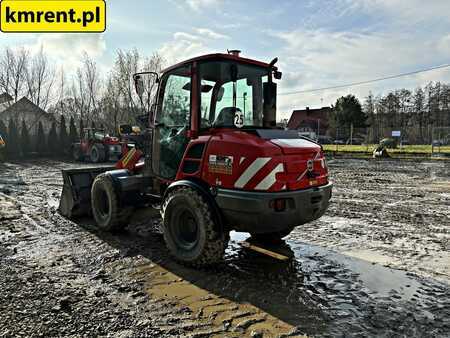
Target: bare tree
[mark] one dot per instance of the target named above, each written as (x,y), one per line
(40,78)
(86,90)
(61,86)
(112,110)
(92,84)
(13,64)
(128,63)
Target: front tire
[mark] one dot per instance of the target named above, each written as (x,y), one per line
(189,229)
(106,209)
(97,153)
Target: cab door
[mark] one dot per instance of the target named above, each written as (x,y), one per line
(172,122)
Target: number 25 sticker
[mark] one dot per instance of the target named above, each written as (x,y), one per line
(239,119)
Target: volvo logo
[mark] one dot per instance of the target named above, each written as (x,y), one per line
(310,165)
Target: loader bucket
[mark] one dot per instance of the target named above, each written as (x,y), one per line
(76,195)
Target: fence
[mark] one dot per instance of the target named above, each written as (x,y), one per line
(440,143)
(401,140)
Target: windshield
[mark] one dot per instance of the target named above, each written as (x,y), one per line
(100,135)
(231,94)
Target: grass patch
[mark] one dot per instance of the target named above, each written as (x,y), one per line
(407,149)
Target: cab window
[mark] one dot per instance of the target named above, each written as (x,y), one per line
(172,121)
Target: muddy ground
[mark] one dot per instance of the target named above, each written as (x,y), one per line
(377,264)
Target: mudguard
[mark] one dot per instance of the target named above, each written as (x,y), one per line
(203,190)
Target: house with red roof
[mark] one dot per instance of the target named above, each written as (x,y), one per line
(310,120)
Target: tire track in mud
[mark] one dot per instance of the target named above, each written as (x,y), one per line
(210,297)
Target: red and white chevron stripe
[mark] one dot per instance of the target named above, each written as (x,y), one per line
(263,173)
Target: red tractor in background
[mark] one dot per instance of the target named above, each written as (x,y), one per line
(96,146)
(213,158)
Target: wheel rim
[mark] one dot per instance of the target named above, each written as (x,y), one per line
(102,203)
(185,229)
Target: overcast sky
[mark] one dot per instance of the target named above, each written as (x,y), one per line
(319,43)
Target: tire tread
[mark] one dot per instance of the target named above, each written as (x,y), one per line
(216,242)
(119,216)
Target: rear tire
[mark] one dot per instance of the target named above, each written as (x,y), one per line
(97,153)
(106,209)
(272,237)
(189,229)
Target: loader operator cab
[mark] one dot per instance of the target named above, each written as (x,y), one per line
(227,92)
(236,96)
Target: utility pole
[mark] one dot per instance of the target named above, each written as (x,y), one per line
(351,134)
(318,129)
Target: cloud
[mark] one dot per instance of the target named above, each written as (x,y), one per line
(185,36)
(186,45)
(201,4)
(205,32)
(444,44)
(409,12)
(183,46)
(68,49)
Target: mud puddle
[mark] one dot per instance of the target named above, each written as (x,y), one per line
(379,280)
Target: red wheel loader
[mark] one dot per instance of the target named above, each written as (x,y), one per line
(214,159)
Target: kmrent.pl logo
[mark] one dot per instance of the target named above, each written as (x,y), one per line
(52,16)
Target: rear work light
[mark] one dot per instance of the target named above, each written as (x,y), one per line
(278,205)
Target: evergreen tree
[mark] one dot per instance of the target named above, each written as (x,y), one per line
(348,111)
(73,133)
(25,140)
(4,134)
(64,142)
(41,146)
(3,129)
(52,141)
(13,142)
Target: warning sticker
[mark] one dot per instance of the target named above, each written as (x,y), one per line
(220,164)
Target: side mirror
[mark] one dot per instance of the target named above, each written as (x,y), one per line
(270,104)
(141,80)
(139,85)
